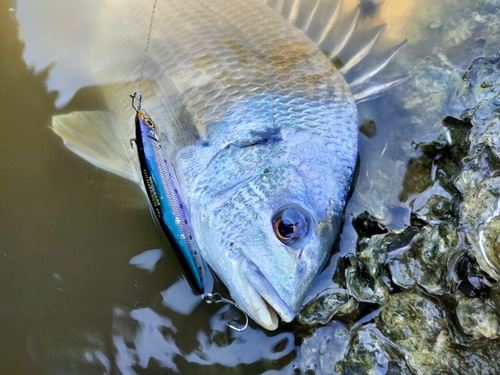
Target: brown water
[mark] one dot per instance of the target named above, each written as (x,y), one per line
(70,301)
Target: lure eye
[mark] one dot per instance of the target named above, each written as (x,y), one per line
(146,119)
(290,225)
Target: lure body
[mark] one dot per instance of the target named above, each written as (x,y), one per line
(163,192)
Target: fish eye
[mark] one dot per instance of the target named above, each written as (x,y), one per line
(290,225)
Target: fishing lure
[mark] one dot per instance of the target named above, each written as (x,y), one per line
(163,191)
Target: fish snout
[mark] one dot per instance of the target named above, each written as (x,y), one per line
(283,294)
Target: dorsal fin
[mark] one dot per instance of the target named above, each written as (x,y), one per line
(319,20)
(362,51)
(359,75)
(375,90)
(339,36)
(315,18)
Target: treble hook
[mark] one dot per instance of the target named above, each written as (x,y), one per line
(137,96)
(217,298)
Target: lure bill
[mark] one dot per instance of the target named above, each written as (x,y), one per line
(163,191)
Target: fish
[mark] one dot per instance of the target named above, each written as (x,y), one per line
(260,129)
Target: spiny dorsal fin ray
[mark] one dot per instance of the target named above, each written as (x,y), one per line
(363,51)
(319,20)
(338,37)
(325,15)
(302,13)
(375,90)
(361,74)
(315,18)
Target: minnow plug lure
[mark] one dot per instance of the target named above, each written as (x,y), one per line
(163,191)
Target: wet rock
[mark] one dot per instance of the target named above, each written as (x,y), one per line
(367,225)
(424,331)
(372,252)
(369,352)
(417,177)
(437,207)
(365,288)
(479,180)
(368,128)
(470,279)
(423,263)
(414,323)
(320,352)
(478,317)
(435,278)
(332,303)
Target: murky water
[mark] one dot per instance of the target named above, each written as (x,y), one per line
(76,299)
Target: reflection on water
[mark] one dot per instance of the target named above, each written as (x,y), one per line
(82,291)
(155,339)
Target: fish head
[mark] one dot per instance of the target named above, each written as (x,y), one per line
(268,229)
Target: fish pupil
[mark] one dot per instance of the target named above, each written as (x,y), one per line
(291,225)
(286,228)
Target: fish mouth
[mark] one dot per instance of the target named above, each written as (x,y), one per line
(264,303)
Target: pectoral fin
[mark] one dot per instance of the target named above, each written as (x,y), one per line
(177,122)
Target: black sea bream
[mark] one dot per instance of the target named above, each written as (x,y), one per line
(260,127)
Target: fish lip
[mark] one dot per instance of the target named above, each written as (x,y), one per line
(270,324)
(267,292)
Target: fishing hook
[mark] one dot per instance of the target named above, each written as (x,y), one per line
(137,96)
(217,298)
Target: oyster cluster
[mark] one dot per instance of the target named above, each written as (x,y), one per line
(425,298)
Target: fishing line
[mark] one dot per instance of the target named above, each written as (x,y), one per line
(146,50)
(137,94)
